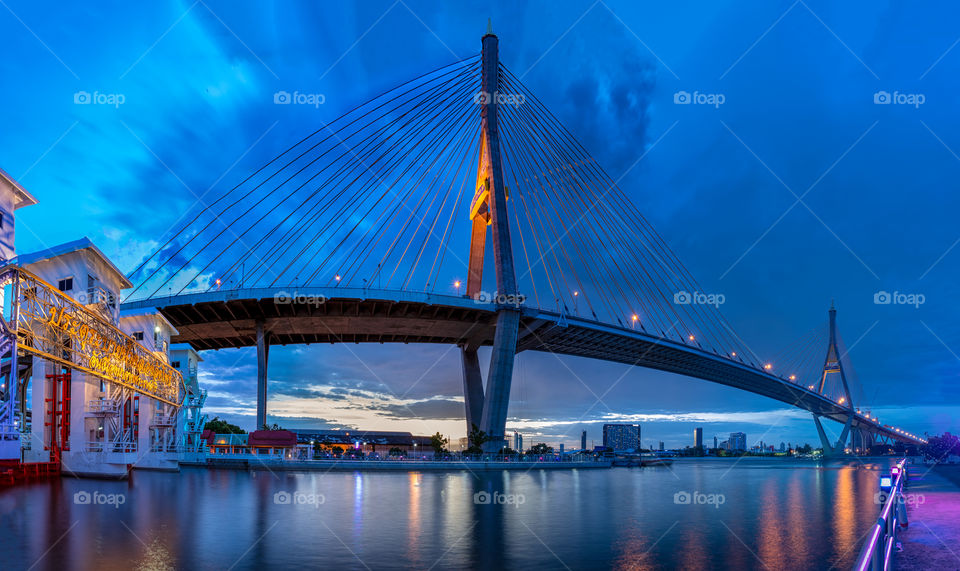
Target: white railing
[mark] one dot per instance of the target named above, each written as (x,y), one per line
(878,549)
(103,406)
(163,420)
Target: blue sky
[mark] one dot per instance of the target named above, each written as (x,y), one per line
(796,190)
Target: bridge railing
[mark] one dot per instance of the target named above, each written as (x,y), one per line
(878,549)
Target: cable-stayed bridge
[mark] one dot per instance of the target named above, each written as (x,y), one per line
(456,209)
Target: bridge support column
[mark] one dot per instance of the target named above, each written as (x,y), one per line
(472,386)
(833,450)
(497,397)
(263,353)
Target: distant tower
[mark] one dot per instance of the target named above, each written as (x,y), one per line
(583,440)
(698,438)
(714,441)
(661,446)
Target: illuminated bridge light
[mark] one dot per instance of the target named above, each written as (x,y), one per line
(733,354)
(456,284)
(690,337)
(810,387)
(842,400)
(793,377)
(576,293)
(768,366)
(337,277)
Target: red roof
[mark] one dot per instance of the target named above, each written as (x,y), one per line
(272,438)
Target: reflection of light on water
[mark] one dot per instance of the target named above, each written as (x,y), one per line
(413,519)
(358,500)
(844,524)
(800,512)
(771,522)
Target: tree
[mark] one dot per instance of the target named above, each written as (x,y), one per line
(939,447)
(267,427)
(222,427)
(477,438)
(507,451)
(439,443)
(395,452)
(540,448)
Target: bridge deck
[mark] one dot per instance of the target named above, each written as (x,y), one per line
(224,319)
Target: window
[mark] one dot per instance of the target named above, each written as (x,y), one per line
(175,364)
(65,284)
(138,335)
(102,387)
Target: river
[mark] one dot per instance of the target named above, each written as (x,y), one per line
(750,513)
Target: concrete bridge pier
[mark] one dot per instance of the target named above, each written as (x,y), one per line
(490,179)
(472,386)
(833,450)
(497,399)
(263,353)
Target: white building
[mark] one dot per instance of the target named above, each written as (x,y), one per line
(12,197)
(91,426)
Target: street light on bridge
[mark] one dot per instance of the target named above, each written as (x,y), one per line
(633,320)
(456,284)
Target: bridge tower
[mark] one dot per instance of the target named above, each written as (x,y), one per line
(487,409)
(833,364)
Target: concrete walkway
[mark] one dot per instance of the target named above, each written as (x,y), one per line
(932,540)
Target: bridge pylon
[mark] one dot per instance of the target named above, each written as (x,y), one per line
(488,408)
(833,364)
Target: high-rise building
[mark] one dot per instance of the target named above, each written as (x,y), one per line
(714,441)
(583,440)
(661,446)
(517,441)
(698,438)
(737,441)
(783,447)
(621,436)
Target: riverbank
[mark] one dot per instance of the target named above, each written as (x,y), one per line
(933,508)
(389,465)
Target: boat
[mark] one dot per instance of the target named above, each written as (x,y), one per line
(652,460)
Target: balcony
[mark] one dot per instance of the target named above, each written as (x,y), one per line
(103,407)
(163,420)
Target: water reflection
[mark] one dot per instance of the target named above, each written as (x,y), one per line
(776,514)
